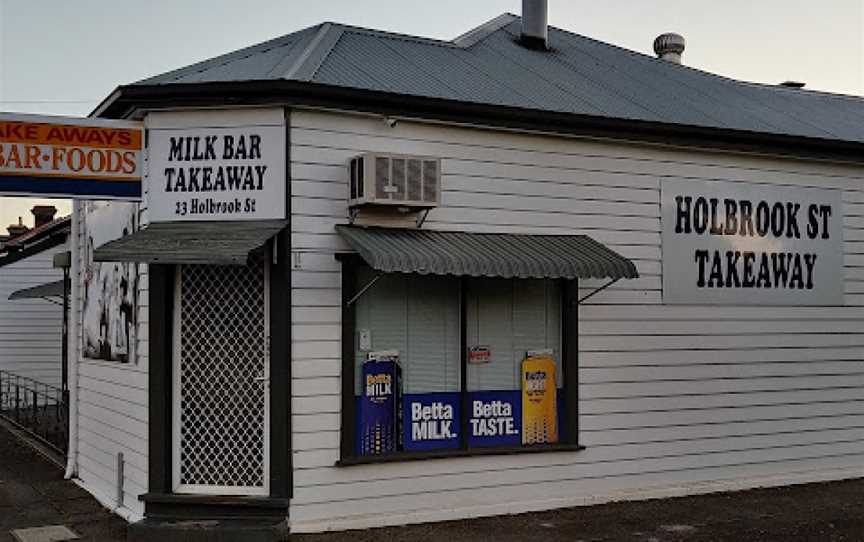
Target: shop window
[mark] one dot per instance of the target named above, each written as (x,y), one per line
(509,321)
(447,365)
(406,362)
(416,316)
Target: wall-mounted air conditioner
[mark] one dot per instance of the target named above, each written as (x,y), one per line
(394,180)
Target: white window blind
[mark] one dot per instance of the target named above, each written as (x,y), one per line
(417,315)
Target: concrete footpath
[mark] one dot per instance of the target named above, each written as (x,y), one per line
(33,493)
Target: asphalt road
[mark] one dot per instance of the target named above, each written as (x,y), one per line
(33,493)
(830,512)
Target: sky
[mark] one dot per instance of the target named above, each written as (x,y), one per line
(63,57)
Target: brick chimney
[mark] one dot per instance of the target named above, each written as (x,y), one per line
(43,214)
(17,229)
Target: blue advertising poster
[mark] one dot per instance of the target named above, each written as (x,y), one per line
(431,421)
(379,408)
(495,418)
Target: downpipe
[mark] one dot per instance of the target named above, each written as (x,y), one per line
(72,346)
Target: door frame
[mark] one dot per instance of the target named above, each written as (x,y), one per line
(159,298)
(175,405)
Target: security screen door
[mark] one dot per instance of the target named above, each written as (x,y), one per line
(221,380)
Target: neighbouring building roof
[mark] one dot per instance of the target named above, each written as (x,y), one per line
(488,66)
(392,250)
(36,240)
(49,289)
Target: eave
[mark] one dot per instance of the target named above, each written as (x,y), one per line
(130,101)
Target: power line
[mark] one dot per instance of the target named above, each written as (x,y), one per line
(47,101)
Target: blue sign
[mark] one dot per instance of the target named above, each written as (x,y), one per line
(431,421)
(379,408)
(495,418)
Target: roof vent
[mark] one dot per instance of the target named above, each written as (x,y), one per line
(535,24)
(793,84)
(670,47)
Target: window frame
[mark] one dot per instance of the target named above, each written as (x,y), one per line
(351,264)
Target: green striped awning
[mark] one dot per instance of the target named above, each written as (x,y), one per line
(215,243)
(486,254)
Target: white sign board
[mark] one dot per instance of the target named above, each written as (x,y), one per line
(216,165)
(731,243)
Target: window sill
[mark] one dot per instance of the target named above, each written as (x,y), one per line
(449,454)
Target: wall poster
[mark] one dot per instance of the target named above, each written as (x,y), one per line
(109,298)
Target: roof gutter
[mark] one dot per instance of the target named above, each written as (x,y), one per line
(129,101)
(104,104)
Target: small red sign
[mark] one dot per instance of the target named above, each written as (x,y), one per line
(479,354)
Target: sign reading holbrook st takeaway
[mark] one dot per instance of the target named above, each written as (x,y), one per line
(226,166)
(751,244)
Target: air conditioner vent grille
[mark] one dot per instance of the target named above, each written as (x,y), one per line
(360,171)
(394,180)
(415,180)
(398,183)
(431,178)
(382,178)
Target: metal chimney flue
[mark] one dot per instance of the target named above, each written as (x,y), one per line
(670,47)
(535,24)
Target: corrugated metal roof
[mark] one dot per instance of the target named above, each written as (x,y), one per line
(254,62)
(38,239)
(49,289)
(58,225)
(217,243)
(578,75)
(486,254)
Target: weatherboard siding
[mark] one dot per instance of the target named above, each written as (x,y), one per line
(673,399)
(31,330)
(113,414)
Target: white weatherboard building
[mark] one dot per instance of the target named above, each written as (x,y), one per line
(383,279)
(31,308)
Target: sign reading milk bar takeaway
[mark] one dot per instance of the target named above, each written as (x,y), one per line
(736,243)
(216,166)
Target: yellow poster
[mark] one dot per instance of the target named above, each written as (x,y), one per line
(539,404)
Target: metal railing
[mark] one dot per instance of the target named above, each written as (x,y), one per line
(40,409)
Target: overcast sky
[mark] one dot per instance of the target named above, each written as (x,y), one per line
(64,57)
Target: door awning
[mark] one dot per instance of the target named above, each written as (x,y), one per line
(503,255)
(49,289)
(216,243)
